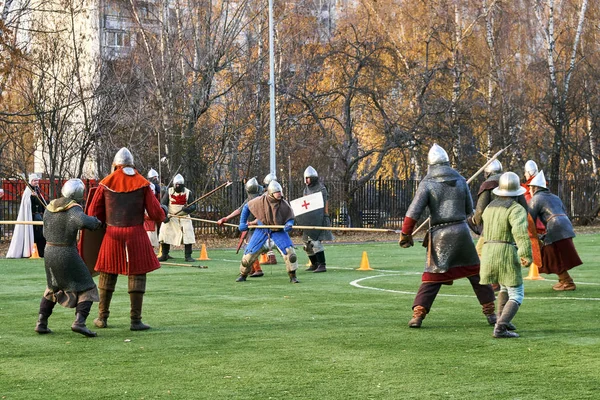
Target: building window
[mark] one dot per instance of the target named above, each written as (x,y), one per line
(117,39)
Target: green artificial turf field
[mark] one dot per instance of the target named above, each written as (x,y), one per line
(342,334)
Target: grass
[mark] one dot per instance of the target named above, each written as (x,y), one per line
(335,335)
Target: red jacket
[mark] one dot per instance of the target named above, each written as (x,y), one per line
(125,249)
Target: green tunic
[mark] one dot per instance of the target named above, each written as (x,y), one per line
(506,241)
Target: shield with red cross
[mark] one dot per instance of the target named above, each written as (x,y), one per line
(309,211)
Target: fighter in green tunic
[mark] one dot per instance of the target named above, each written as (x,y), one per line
(506,249)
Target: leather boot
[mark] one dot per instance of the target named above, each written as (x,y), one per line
(488,310)
(565,282)
(137,299)
(508,313)
(257,272)
(46,307)
(502,299)
(103,308)
(82,311)
(188,253)
(313,263)
(241,278)
(293,278)
(164,252)
(419,313)
(321,267)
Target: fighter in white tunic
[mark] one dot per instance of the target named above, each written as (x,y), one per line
(177,230)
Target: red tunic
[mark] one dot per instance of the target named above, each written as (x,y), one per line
(126,250)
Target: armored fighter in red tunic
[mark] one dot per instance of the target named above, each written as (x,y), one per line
(119,202)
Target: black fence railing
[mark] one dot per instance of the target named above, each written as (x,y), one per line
(377,204)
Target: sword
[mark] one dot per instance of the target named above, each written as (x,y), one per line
(475,175)
(242,237)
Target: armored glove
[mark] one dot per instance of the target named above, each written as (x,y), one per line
(308,247)
(166,210)
(288,226)
(406,241)
(98,224)
(243,227)
(188,210)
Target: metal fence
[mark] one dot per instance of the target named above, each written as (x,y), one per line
(377,204)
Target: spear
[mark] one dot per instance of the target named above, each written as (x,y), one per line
(475,175)
(183,265)
(322,228)
(325,228)
(209,193)
(42,200)
(21,222)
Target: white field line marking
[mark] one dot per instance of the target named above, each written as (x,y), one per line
(356,283)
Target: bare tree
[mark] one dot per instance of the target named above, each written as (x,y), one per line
(559,84)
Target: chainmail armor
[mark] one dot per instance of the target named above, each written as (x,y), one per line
(65,270)
(550,210)
(317,217)
(445,193)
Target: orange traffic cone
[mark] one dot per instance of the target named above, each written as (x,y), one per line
(34,252)
(203,254)
(534,274)
(264,259)
(364,263)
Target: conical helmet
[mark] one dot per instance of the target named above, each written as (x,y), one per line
(73,189)
(152,173)
(252,186)
(495,167)
(274,187)
(123,157)
(531,169)
(509,185)
(437,155)
(310,172)
(270,177)
(178,180)
(539,180)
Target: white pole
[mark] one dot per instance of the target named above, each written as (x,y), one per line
(271,90)
(159,166)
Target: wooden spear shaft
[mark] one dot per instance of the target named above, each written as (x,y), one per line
(322,228)
(209,221)
(42,200)
(209,193)
(21,222)
(475,175)
(183,265)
